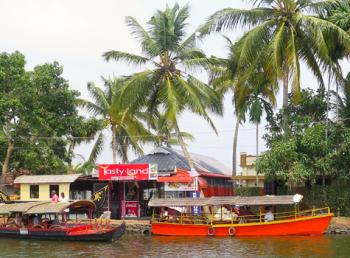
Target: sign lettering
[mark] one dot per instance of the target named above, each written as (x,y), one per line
(127,172)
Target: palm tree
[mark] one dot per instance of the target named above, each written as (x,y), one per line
(282,33)
(260,98)
(344,102)
(164,133)
(337,13)
(250,91)
(167,84)
(127,129)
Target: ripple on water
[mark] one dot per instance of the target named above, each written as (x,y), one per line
(145,246)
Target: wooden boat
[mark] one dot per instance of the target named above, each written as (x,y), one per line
(225,222)
(56,221)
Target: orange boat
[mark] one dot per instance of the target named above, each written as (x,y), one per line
(231,216)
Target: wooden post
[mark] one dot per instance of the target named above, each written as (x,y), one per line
(260,213)
(221,212)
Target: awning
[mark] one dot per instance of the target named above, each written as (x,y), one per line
(181,176)
(227,200)
(207,174)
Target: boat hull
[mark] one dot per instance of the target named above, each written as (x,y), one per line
(64,234)
(315,225)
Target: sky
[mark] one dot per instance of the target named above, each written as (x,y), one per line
(77,32)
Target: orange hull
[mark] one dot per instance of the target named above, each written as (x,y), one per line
(316,225)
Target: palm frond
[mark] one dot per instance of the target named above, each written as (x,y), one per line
(96,149)
(229,18)
(126,57)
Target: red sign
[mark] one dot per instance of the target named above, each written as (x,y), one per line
(131,209)
(127,172)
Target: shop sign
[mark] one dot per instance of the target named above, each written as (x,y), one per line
(131,209)
(196,210)
(181,186)
(127,172)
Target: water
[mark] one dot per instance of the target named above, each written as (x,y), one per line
(146,246)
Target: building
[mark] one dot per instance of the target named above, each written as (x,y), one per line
(129,195)
(125,189)
(248,177)
(212,177)
(39,187)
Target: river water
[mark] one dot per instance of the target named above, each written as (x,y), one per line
(131,246)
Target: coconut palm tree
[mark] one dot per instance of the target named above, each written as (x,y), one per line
(164,133)
(344,102)
(283,33)
(337,13)
(261,98)
(251,92)
(167,85)
(127,129)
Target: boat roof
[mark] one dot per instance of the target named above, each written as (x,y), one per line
(227,200)
(21,207)
(45,207)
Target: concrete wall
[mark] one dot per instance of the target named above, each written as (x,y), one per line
(44,191)
(251,183)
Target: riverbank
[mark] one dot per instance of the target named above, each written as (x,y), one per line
(339,225)
(135,226)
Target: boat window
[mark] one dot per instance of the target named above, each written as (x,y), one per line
(34,191)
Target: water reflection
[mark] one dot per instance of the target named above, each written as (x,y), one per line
(140,246)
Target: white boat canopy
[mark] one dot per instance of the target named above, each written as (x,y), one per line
(227,200)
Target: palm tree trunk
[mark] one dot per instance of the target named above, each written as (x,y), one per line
(337,103)
(285,97)
(70,152)
(183,145)
(285,86)
(114,144)
(257,153)
(234,152)
(6,163)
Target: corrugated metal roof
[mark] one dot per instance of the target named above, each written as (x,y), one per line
(42,179)
(168,158)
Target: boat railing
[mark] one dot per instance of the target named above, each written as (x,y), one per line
(232,218)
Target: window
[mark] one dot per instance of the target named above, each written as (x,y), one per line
(34,191)
(55,188)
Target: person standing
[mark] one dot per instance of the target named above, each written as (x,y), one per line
(63,198)
(54,196)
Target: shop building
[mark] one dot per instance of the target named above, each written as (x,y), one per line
(162,173)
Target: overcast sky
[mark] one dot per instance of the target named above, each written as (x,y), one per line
(76,33)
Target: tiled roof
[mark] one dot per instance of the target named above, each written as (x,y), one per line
(42,179)
(168,158)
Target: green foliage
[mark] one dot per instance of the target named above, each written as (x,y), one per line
(38,115)
(311,150)
(281,33)
(336,196)
(125,123)
(168,86)
(247,191)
